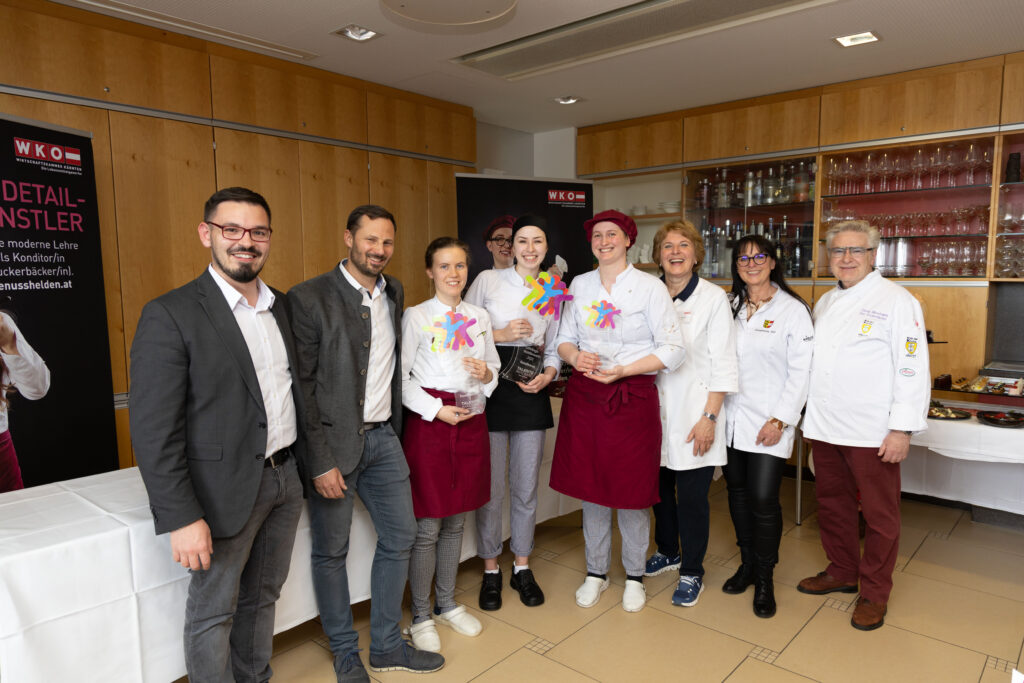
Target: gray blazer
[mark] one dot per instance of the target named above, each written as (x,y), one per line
(332,337)
(198,424)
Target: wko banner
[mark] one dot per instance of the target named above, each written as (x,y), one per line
(566,204)
(56,411)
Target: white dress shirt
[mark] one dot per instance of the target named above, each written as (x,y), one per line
(870,370)
(646,324)
(426,364)
(269,357)
(501,293)
(26,371)
(710,365)
(773,350)
(377,406)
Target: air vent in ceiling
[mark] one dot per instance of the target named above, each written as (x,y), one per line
(631,28)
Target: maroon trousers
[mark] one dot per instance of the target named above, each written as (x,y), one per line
(840,472)
(10,471)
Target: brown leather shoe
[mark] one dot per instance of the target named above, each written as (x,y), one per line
(868,615)
(825,583)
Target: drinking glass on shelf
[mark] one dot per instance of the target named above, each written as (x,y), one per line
(986,164)
(918,165)
(981,257)
(951,164)
(885,172)
(936,160)
(900,171)
(968,254)
(971,161)
(962,217)
(868,172)
(925,255)
(850,175)
(831,176)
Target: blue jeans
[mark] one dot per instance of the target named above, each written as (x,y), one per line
(382,481)
(683,517)
(229,613)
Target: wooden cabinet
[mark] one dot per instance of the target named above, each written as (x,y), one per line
(286,97)
(268,165)
(418,124)
(53,54)
(442,208)
(1013,89)
(771,124)
(629,145)
(399,184)
(945,98)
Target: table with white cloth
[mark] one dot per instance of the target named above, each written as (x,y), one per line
(88,592)
(968,461)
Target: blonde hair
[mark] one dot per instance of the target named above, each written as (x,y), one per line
(687,230)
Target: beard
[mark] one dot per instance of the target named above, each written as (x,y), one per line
(363,265)
(240,272)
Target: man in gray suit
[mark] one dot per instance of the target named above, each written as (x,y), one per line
(213,407)
(348,333)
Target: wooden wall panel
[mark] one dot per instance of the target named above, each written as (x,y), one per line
(958,315)
(775,125)
(163,174)
(1013,89)
(418,126)
(399,184)
(54,54)
(269,165)
(333,181)
(945,98)
(442,208)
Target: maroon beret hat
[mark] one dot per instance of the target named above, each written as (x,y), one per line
(612,216)
(497,224)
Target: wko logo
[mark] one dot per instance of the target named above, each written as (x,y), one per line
(44,151)
(567,196)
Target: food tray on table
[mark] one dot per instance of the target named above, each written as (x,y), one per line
(994,418)
(941,412)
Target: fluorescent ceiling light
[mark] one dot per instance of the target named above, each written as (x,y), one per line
(356,33)
(856,39)
(567,99)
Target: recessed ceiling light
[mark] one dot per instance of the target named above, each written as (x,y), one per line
(856,39)
(567,99)
(356,33)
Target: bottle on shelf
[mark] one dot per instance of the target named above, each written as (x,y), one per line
(703,195)
(771,227)
(796,263)
(758,190)
(722,192)
(801,184)
(811,181)
(771,187)
(726,252)
(748,190)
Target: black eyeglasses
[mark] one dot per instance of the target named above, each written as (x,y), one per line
(839,252)
(758,259)
(235,233)
(502,241)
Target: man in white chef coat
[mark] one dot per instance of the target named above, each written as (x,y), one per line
(869,392)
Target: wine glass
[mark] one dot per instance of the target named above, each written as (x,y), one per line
(925,255)
(936,164)
(971,161)
(968,254)
(884,169)
(981,257)
(900,171)
(950,164)
(918,165)
(868,172)
(986,163)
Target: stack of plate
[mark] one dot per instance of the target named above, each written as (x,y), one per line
(669,207)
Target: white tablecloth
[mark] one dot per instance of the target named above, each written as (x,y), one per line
(88,592)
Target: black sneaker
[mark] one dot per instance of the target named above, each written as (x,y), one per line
(407,658)
(529,592)
(350,669)
(490,592)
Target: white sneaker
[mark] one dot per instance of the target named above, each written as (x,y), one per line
(424,636)
(460,620)
(634,597)
(589,593)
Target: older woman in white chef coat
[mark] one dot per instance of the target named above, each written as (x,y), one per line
(693,436)
(774,344)
(22,369)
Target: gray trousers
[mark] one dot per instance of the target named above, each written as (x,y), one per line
(435,555)
(635,529)
(229,613)
(523,464)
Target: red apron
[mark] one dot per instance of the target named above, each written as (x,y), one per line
(608,447)
(449,466)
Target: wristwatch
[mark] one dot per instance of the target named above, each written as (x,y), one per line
(779,424)
(711,416)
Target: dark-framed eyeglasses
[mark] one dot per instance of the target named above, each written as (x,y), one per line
(756,259)
(235,233)
(839,252)
(502,241)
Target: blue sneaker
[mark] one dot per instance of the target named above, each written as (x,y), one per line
(659,564)
(688,591)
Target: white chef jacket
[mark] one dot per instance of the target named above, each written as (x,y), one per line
(26,371)
(773,352)
(710,365)
(870,369)
(647,323)
(442,368)
(501,293)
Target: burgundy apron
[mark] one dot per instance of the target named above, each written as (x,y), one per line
(608,447)
(10,471)
(449,466)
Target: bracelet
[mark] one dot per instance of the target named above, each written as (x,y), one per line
(711,416)
(779,424)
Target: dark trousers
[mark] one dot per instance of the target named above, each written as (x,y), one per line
(752,480)
(682,517)
(840,472)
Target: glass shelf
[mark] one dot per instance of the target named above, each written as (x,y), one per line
(934,237)
(910,193)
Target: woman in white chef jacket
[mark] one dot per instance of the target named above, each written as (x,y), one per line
(774,345)
(693,436)
(23,369)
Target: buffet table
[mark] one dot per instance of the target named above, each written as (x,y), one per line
(89,592)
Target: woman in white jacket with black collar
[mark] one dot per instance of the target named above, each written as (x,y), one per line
(693,436)
(774,344)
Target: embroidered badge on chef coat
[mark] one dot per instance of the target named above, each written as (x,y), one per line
(911,346)
(865,327)
(768,324)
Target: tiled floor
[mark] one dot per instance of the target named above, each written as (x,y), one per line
(956,614)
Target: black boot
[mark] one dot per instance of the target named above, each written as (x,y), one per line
(764,590)
(744,576)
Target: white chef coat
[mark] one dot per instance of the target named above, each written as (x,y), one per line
(501,293)
(710,365)
(773,352)
(870,370)
(442,369)
(647,323)
(26,371)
